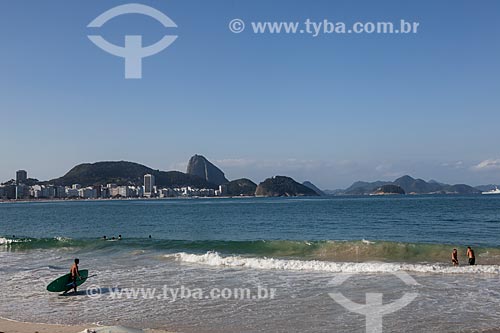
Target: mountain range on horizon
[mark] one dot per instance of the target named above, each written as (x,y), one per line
(411,186)
(201,173)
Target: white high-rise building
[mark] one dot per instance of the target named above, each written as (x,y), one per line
(149,184)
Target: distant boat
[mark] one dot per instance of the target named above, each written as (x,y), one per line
(495,191)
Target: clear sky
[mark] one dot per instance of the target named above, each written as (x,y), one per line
(332,109)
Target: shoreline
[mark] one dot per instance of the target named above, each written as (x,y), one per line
(14,326)
(49,200)
(118,199)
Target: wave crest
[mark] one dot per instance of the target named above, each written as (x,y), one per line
(215,259)
(8,241)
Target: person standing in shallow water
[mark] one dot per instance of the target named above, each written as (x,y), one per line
(471,256)
(454,257)
(75,274)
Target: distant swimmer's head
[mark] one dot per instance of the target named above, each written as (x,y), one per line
(77,261)
(104,237)
(149,236)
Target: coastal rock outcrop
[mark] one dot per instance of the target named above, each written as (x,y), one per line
(281,186)
(199,166)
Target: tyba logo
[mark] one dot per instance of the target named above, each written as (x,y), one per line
(374,309)
(132,52)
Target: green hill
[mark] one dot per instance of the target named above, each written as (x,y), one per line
(241,186)
(281,186)
(125,173)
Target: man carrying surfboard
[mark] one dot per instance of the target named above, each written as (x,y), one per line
(75,274)
(65,283)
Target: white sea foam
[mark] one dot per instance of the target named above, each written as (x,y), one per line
(7,241)
(111,329)
(62,239)
(215,259)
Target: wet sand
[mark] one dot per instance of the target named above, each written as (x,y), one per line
(11,326)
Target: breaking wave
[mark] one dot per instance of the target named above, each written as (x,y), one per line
(322,251)
(215,259)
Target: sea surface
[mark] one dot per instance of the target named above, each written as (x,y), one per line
(182,262)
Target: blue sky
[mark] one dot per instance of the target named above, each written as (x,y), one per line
(331,109)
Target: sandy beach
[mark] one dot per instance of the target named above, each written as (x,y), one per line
(11,326)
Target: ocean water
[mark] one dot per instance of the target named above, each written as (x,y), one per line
(287,254)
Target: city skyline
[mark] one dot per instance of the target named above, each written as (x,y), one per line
(328,109)
(234,164)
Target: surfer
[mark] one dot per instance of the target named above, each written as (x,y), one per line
(471,256)
(75,274)
(104,237)
(454,257)
(119,237)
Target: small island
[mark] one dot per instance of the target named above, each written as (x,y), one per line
(389,190)
(281,186)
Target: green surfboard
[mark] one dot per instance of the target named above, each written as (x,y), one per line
(64,282)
